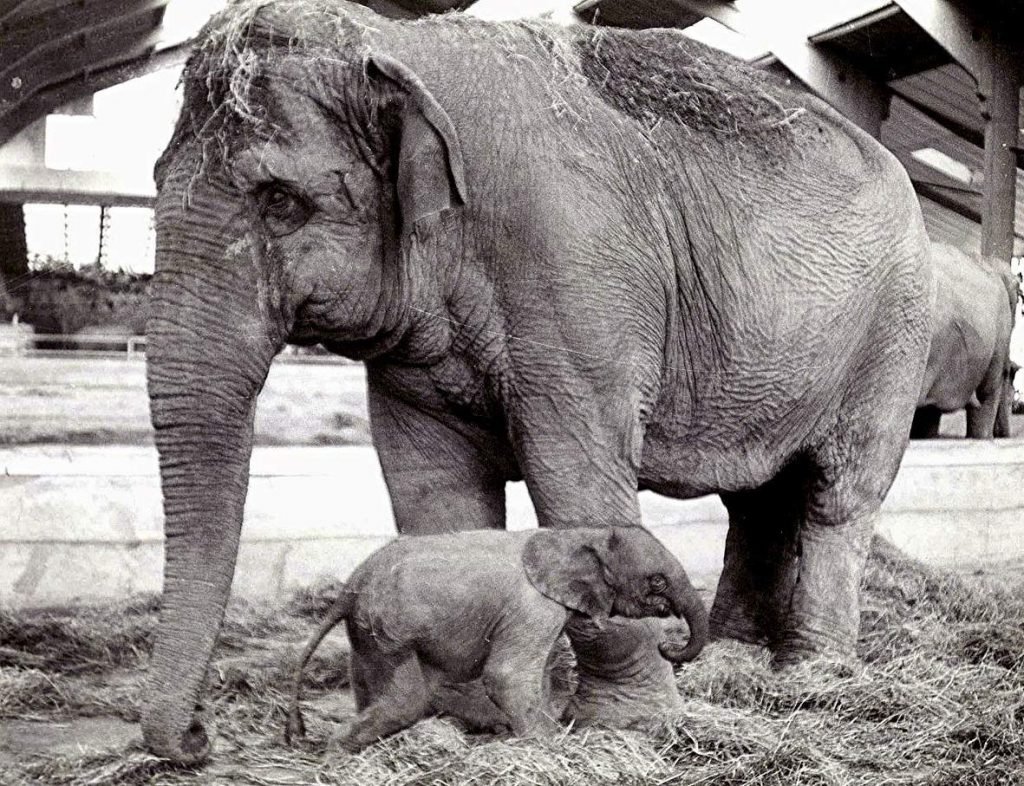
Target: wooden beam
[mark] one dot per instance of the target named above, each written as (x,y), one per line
(826,73)
(1002,123)
(965,132)
(842,84)
(43,69)
(942,197)
(43,33)
(71,186)
(102,49)
(725,13)
(8,8)
(953,29)
(135,65)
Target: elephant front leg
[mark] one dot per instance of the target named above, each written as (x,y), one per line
(588,478)
(442,475)
(794,559)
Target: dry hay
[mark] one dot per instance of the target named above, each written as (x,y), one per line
(938,699)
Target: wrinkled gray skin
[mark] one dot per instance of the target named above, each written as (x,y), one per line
(969,360)
(425,611)
(552,275)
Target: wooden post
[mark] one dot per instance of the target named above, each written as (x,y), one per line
(13,255)
(1001,110)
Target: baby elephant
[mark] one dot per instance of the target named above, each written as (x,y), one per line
(428,610)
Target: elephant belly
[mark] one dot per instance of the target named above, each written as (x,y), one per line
(954,384)
(687,468)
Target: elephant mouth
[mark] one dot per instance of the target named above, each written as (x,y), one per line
(362,348)
(658,607)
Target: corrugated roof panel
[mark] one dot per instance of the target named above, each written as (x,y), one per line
(945,226)
(948,90)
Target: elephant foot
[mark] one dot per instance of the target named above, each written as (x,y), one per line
(622,677)
(726,625)
(189,747)
(797,647)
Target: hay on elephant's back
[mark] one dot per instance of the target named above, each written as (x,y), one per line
(650,77)
(658,76)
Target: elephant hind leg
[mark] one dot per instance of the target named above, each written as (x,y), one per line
(761,550)
(824,609)
(401,696)
(981,420)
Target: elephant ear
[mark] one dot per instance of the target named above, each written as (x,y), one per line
(568,567)
(431,175)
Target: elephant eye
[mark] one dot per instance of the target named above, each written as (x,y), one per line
(658,583)
(282,210)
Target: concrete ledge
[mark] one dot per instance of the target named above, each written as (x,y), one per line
(86,522)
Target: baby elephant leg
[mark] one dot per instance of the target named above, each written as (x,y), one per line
(400,697)
(469,703)
(514,673)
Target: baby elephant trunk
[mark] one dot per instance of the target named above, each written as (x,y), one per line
(686,603)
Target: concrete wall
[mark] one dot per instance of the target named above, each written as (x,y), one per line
(85,522)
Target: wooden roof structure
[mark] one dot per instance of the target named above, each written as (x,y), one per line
(942,76)
(53,52)
(918,74)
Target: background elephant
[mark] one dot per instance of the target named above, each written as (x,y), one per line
(593,260)
(489,604)
(969,360)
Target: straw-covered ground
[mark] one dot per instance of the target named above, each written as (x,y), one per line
(938,699)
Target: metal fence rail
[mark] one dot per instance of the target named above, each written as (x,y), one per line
(53,345)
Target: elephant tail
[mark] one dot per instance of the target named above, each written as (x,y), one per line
(295,728)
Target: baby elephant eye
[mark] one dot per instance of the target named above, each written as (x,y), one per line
(281,209)
(658,583)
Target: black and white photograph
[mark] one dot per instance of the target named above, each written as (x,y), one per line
(511,392)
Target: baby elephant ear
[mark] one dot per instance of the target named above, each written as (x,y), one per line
(568,567)
(431,176)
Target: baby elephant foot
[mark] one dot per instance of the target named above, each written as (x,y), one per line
(522,701)
(469,704)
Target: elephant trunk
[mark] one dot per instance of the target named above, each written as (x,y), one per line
(208,354)
(687,604)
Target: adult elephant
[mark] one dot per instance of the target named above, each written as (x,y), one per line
(593,260)
(969,361)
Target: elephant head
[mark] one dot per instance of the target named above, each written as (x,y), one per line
(289,186)
(623,571)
